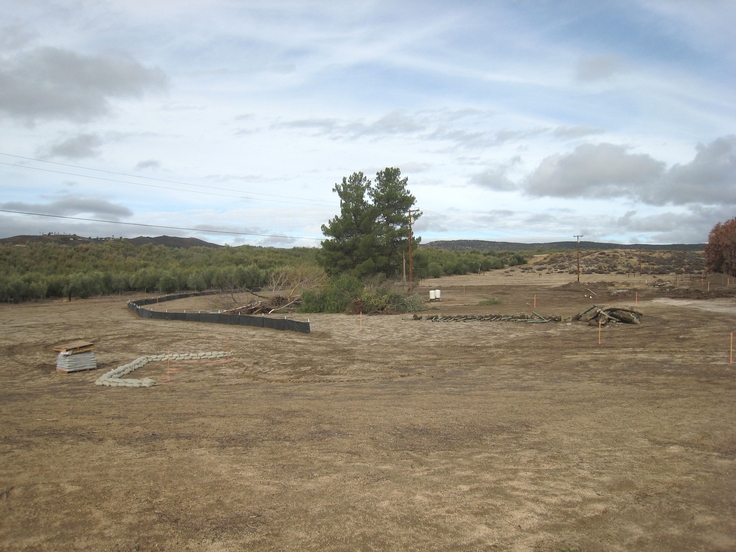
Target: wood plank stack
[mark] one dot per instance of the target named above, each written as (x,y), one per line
(75,356)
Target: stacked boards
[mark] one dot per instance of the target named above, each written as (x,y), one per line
(75,356)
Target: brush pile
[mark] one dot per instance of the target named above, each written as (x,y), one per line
(518,317)
(609,315)
(277,303)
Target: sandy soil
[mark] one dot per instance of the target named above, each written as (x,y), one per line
(377,433)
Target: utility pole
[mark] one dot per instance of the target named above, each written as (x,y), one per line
(578,237)
(411,257)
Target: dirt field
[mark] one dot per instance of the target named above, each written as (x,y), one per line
(380,433)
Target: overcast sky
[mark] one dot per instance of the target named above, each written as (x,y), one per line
(526,121)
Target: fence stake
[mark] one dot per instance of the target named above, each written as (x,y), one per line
(535,301)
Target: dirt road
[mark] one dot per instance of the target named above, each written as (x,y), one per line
(377,434)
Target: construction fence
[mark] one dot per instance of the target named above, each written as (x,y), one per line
(138,305)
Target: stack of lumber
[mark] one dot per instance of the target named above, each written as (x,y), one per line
(596,315)
(75,356)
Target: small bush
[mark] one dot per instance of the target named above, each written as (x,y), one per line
(488,302)
(336,296)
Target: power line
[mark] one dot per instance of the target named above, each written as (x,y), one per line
(200,230)
(277,198)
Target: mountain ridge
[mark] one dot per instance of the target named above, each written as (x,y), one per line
(483,245)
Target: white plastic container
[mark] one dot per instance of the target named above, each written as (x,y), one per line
(437,294)
(432,295)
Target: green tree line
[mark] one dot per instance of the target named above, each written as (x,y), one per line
(36,271)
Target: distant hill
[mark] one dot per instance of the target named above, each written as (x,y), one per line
(172,241)
(481,245)
(73,239)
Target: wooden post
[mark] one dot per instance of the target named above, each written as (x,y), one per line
(411,256)
(578,248)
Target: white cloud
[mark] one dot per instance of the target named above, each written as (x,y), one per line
(610,171)
(148,164)
(77,147)
(710,178)
(577,131)
(597,171)
(58,83)
(496,178)
(599,67)
(72,205)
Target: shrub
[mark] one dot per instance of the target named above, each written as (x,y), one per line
(336,296)
(720,251)
(517,259)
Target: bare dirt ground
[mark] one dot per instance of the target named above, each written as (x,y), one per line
(380,433)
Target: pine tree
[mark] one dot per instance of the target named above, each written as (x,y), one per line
(371,231)
(392,201)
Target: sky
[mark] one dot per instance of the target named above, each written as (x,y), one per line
(231,121)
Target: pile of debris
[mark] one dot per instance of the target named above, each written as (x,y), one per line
(609,315)
(277,303)
(519,317)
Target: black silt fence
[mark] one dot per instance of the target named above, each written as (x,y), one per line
(213,317)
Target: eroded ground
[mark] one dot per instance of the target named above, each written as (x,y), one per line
(377,434)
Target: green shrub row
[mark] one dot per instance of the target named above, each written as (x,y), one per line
(34,285)
(35,271)
(433,263)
